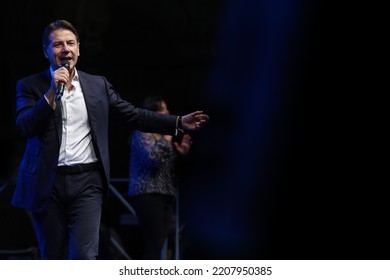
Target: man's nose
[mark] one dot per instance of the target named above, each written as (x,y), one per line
(65,48)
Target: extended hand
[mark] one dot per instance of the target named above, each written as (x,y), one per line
(184,147)
(195,120)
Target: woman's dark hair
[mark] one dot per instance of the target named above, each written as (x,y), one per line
(152,103)
(58,24)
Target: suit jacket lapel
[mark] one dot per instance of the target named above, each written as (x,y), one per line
(90,101)
(58,120)
(58,110)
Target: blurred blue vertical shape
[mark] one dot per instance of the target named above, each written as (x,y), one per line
(251,85)
(253,47)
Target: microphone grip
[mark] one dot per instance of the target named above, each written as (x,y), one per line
(61,85)
(60,90)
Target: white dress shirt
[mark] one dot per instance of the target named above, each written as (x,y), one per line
(76,143)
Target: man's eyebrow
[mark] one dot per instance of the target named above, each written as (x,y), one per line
(67,41)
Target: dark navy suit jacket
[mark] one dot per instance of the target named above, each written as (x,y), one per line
(42,126)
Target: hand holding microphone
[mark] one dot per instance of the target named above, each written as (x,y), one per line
(61,84)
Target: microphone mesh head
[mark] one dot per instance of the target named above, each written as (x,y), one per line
(65,63)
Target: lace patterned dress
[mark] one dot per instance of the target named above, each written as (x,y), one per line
(152,164)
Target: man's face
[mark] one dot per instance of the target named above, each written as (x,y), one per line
(63,45)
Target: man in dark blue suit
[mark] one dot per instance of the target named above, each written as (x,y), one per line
(64,173)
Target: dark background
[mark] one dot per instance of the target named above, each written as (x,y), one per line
(291,163)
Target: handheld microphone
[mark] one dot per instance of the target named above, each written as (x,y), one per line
(61,85)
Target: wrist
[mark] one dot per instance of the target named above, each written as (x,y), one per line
(179,125)
(50,98)
(179,122)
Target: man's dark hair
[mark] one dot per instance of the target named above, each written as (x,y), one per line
(58,24)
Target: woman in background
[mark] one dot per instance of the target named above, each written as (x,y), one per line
(152,185)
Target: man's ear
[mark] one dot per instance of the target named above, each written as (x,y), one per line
(45,53)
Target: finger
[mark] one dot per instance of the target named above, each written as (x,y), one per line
(195,114)
(201,117)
